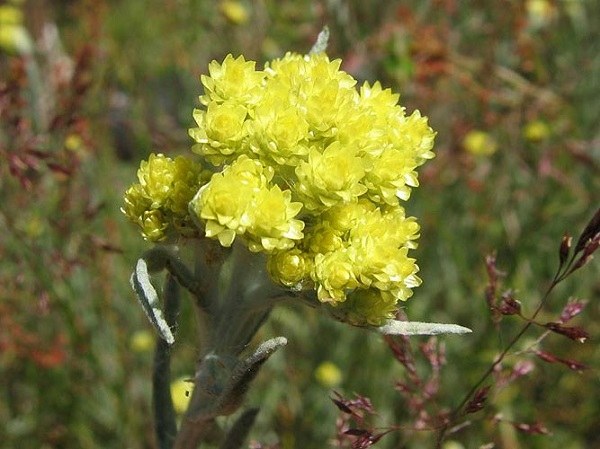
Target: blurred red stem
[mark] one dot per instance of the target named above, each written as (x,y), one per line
(456,412)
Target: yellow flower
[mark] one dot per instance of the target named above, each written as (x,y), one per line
(234,80)
(220,132)
(181,392)
(278,132)
(536,131)
(379,243)
(479,143)
(344,217)
(386,268)
(154,225)
(328,374)
(155,177)
(452,444)
(74,143)
(235,12)
(160,200)
(309,170)
(540,12)
(331,177)
(223,204)
(334,275)
(241,200)
(271,221)
(370,306)
(32,225)
(14,37)
(141,341)
(288,268)
(391,176)
(390,226)
(10,15)
(322,238)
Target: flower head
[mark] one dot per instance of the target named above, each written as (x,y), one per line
(330,176)
(307,169)
(370,306)
(289,268)
(181,393)
(141,341)
(328,374)
(242,201)
(235,79)
(235,12)
(159,202)
(536,131)
(479,143)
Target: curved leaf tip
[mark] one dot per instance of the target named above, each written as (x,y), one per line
(148,298)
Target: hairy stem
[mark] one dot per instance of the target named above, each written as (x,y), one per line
(164,415)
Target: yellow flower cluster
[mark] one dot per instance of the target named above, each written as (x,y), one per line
(308,169)
(158,203)
(241,200)
(356,256)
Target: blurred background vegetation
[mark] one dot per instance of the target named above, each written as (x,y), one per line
(90,87)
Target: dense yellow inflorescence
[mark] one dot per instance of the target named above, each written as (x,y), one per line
(307,169)
(158,203)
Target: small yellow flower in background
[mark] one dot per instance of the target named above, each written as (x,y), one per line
(181,392)
(73,142)
(540,12)
(328,374)
(141,341)
(236,12)
(32,225)
(10,15)
(14,37)
(479,143)
(536,131)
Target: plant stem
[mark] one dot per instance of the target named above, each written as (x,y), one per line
(164,415)
(455,413)
(192,433)
(239,297)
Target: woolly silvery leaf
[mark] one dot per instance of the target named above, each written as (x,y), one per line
(148,298)
(246,371)
(263,352)
(322,40)
(395,327)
